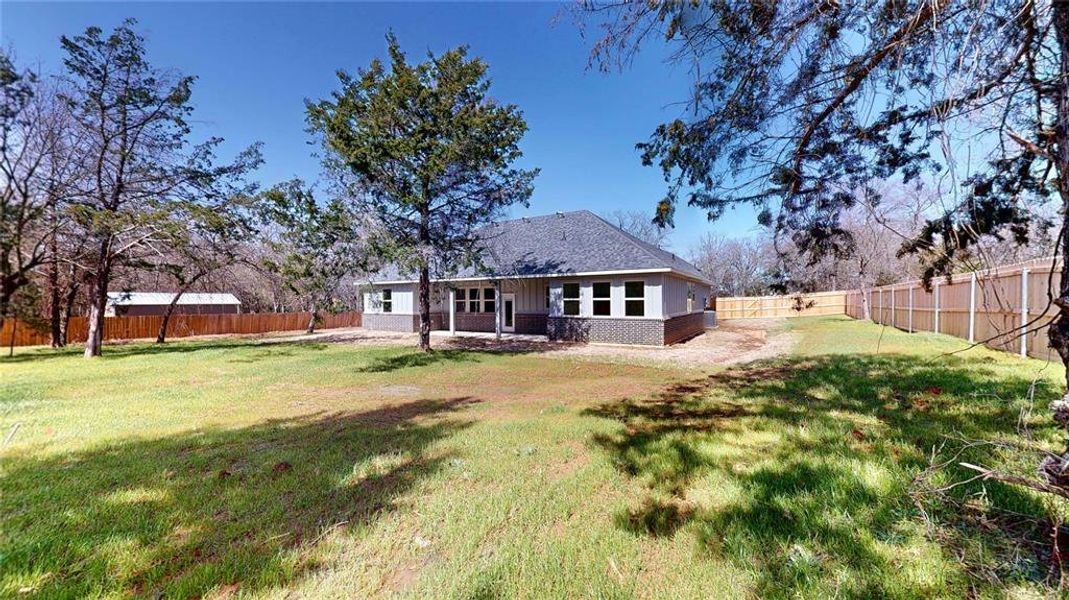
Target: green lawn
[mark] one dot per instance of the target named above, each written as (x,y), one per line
(230,468)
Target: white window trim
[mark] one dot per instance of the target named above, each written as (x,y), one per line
(578,298)
(383,301)
(460,305)
(479,298)
(635,298)
(595,299)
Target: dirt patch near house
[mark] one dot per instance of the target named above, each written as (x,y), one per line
(734,342)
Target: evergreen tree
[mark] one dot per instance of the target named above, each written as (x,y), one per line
(427,151)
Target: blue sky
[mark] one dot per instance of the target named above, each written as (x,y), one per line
(256,63)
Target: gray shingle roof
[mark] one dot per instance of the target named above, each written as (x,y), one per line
(562,244)
(165,298)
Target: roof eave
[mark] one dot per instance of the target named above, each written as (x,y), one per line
(676,272)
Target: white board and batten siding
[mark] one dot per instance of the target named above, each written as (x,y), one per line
(676,294)
(403,296)
(665,296)
(651,286)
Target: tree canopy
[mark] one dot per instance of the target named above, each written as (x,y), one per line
(802,108)
(430,152)
(799,106)
(145,179)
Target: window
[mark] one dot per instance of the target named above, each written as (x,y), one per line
(476,300)
(461,304)
(571,299)
(635,298)
(547,297)
(602,300)
(387,300)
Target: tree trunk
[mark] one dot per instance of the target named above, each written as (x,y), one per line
(425,308)
(424,281)
(55,331)
(1055,469)
(68,306)
(312,320)
(54,300)
(65,319)
(161,337)
(866,298)
(97,305)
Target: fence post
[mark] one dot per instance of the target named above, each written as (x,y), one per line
(910,317)
(879,315)
(935,325)
(972,308)
(1024,312)
(893,294)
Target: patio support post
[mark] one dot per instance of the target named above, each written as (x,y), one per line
(1024,312)
(452,311)
(497,309)
(972,307)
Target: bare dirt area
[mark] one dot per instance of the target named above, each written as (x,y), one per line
(735,341)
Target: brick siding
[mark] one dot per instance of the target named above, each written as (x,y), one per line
(678,329)
(524,323)
(647,332)
(531,323)
(391,322)
(472,322)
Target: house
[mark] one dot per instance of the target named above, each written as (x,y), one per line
(130,304)
(570,276)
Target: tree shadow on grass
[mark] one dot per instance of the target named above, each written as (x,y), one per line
(190,512)
(119,351)
(410,359)
(460,349)
(799,470)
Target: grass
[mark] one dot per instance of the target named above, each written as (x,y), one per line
(229,468)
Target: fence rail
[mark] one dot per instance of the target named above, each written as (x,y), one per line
(796,305)
(1007,308)
(130,328)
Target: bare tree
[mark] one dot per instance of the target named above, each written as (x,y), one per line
(143,177)
(36,154)
(640,225)
(737,267)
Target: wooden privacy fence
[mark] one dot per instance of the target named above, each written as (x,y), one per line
(756,307)
(986,306)
(130,328)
